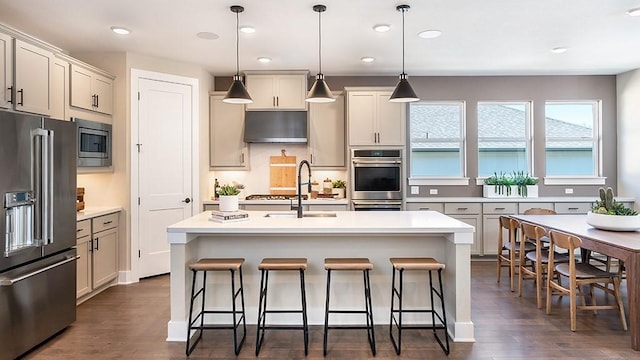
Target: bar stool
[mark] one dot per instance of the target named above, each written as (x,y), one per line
(428,264)
(278,264)
(359,264)
(232,265)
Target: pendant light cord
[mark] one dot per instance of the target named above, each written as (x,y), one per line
(238,45)
(320,42)
(403,11)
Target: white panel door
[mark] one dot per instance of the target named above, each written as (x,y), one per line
(164,166)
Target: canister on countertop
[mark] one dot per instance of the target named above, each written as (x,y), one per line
(327,187)
(315,189)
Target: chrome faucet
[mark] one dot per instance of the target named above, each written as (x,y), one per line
(300,183)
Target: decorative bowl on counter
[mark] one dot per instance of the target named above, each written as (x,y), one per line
(613,222)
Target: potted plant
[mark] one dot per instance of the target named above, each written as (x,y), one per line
(339,188)
(608,214)
(516,184)
(228,195)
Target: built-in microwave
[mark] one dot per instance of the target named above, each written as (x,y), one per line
(94,143)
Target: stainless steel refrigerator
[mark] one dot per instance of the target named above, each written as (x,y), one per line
(38,226)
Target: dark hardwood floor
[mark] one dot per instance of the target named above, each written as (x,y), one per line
(130,322)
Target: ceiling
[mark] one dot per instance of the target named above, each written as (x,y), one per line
(489,37)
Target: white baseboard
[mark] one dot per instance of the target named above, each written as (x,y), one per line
(126,277)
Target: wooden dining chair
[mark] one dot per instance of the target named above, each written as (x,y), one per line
(509,250)
(580,274)
(533,264)
(539,211)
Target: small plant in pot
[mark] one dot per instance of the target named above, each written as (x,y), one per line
(339,188)
(228,198)
(516,184)
(608,214)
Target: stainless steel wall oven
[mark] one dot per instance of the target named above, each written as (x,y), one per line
(376,179)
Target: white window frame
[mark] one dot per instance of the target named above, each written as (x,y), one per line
(596,178)
(528,133)
(461,180)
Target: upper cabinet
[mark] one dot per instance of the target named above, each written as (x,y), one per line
(6,71)
(33,66)
(227,148)
(60,89)
(326,133)
(373,120)
(283,91)
(91,90)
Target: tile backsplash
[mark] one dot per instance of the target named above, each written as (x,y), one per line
(256,180)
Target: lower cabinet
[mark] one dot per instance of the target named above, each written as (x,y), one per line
(97,248)
(491,215)
(469,213)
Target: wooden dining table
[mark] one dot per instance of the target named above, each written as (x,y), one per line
(623,245)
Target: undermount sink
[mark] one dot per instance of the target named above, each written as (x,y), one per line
(293,215)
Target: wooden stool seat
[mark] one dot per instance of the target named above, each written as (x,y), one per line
(283,264)
(347,264)
(416,264)
(218,264)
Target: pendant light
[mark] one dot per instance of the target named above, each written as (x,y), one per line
(237,93)
(403,92)
(320,92)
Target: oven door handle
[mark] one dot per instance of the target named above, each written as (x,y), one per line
(376,162)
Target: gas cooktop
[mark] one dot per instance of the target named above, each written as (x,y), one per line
(274,197)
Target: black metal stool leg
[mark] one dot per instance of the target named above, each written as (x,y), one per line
(443,318)
(305,324)
(244,318)
(326,314)
(397,291)
(261,311)
(369,312)
(189,349)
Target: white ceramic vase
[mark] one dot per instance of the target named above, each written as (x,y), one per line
(228,203)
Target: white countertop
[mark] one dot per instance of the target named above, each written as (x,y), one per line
(345,222)
(324,201)
(93,211)
(570,199)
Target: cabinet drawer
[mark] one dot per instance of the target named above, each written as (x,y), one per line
(439,207)
(573,208)
(462,208)
(105,222)
(499,208)
(83,228)
(522,207)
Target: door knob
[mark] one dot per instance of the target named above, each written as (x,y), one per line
(187,200)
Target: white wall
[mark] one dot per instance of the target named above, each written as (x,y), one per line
(628,94)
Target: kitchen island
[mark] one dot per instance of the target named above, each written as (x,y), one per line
(377,235)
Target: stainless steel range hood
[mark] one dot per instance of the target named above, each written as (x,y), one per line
(275,127)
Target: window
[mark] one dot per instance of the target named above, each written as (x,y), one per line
(572,138)
(504,137)
(437,139)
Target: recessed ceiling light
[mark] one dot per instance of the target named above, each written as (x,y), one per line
(429,34)
(207,35)
(559,50)
(634,12)
(120,30)
(247,29)
(367,59)
(264,59)
(382,27)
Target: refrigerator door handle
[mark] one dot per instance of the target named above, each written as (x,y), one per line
(42,166)
(11,281)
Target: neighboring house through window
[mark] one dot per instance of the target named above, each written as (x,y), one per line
(572,138)
(437,139)
(504,137)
